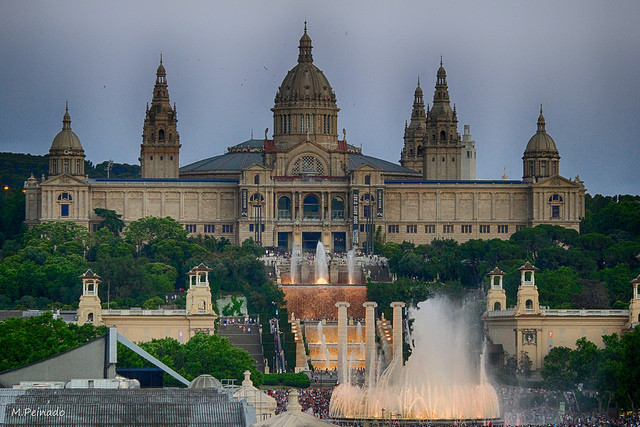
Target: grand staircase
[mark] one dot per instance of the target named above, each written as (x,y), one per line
(247,339)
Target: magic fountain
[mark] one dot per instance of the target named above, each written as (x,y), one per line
(440,382)
(323,279)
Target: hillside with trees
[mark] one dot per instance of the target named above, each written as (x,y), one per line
(590,269)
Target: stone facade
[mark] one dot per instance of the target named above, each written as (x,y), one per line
(140,325)
(532,329)
(306,183)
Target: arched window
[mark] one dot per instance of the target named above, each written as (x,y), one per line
(284,208)
(443,136)
(90,317)
(307,165)
(337,208)
(528,304)
(367,204)
(497,306)
(555,200)
(419,150)
(256,197)
(161,134)
(311,207)
(256,179)
(65,196)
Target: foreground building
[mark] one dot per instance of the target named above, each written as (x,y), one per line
(306,184)
(144,325)
(533,329)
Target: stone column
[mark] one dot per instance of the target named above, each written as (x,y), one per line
(342,341)
(370,342)
(397,329)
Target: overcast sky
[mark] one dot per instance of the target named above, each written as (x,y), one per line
(225,61)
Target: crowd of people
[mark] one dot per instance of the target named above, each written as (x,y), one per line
(520,407)
(314,401)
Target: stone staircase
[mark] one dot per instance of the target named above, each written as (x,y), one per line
(247,339)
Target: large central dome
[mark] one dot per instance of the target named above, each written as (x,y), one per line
(305,104)
(305,82)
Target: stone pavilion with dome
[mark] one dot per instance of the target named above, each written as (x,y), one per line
(304,182)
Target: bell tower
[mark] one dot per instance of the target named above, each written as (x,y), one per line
(441,160)
(160,149)
(199,293)
(527,299)
(89,308)
(415,134)
(496,296)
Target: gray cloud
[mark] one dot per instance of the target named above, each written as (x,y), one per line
(225,60)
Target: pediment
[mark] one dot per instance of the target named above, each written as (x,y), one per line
(555,181)
(65,180)
(366,167)
(307,147)
(256,167)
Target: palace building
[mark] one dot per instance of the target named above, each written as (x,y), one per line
(305,183)
(531,329)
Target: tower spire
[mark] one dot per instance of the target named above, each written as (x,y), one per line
(305,47)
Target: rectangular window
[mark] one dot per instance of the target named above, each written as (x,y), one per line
(429,228)
(447,228)
(412,228)
(394,229)
(503,229)
(366,212)
(485,229)
(209,228)
(520,227)
(555,211)
(227,228)
(250,227)
(465,228)
(95,227)
(191,228)
(64,210)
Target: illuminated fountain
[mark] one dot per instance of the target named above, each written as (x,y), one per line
(294,269)
(321,267)
(440,381)
(351,267)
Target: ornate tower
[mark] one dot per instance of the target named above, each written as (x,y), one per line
(468,155)
(415,134)
(160,149)
(443,149)
(199,292)
(305,105)
(66,155)
(89,308)
(541,158)
(496,297)
(527,298)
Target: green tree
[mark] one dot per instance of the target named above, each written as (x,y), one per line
(556,370)
(111,220)
(150,230)
(558,287)
(25,341)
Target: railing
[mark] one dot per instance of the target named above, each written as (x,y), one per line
(140,312)
(583,312)
(501,313)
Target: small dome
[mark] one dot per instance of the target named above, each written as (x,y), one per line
(205,381)
(305,82)
(418,93)
(541,142)
(66,139)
